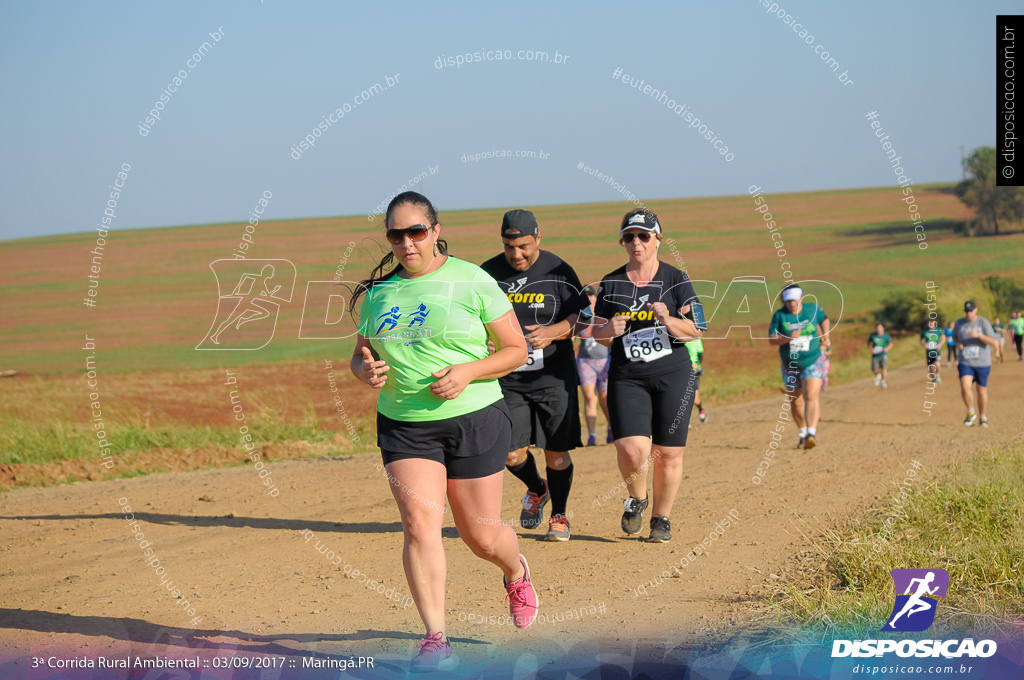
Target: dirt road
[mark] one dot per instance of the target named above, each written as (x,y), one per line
(74,581)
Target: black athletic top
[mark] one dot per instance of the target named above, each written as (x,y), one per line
(619,296)
(545,294)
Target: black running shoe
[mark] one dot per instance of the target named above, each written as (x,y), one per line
(661,530)
(633,517)
(533,508)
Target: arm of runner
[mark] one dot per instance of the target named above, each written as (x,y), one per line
(367,366)
(607,330)
(510,353)
(776,340)
(680,329)
(774,337)
(826,339)
(542,336)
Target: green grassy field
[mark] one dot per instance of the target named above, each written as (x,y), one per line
(157,296)
(968,520)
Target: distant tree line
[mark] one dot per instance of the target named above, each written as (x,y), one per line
(992,204)
(906,312)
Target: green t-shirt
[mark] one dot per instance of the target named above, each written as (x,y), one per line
(807,348)
(879,343)
(1017,326)
(932,339)
(695,348)
(421,325)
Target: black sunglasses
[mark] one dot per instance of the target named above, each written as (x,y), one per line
(644,236)
(417,233)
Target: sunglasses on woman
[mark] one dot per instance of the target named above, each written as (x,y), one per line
(417,233)
(644,236)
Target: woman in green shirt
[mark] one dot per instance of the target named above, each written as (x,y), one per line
(442,425)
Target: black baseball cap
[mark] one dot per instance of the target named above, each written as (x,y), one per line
(518,223)
(643,221)
(970,306)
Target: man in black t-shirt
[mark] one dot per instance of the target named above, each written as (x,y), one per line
(542,394)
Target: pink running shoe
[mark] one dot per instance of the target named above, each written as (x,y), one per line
(435,654)
(522,598)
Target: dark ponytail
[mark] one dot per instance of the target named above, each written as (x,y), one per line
(387,268)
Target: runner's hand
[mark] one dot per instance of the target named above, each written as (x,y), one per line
(619,324)
(660,312)
(373,371)
(451,381)
(539,337)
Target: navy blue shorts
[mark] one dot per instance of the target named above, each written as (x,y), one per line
(979,373)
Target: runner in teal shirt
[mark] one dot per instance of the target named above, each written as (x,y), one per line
(800,331)
(931,340)
(880,344)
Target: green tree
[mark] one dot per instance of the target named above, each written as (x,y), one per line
(992,203)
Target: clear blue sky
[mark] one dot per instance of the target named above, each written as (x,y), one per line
(79,77)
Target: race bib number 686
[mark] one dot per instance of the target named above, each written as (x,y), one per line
(647,344)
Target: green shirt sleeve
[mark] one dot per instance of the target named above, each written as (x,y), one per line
(693,350)
(492,303)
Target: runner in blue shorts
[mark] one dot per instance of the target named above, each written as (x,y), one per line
(974,339)
(800,331)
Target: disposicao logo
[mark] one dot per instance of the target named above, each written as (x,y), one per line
(914,607)
(914,611)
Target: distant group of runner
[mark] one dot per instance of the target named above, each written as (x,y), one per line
(972,341)
(476,364)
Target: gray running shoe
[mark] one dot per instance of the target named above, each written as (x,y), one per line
(661,530)
(632,518)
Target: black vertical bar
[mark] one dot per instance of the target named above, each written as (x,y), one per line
(1009,152)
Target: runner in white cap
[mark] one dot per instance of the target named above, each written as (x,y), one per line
(800,331)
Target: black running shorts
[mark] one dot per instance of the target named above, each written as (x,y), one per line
(548,417)
(470,446)
(658,407)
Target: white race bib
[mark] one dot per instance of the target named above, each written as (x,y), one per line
(876,349)
(801,344)
(534,362)
(931,345)
(647,344)
(971,352)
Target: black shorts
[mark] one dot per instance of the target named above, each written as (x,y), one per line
(658,407)
(933,357)
(469,446)
(548,417)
